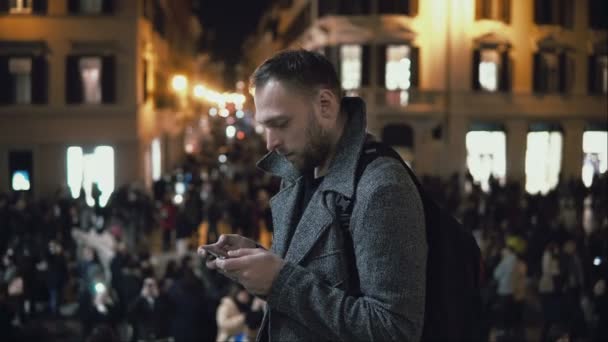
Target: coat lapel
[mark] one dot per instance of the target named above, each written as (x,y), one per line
(283,207)
(315,219)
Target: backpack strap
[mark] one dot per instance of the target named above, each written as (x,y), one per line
(371,151)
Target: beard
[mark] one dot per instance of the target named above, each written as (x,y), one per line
(316,150)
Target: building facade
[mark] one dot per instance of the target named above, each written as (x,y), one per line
(502,87)
(84,93)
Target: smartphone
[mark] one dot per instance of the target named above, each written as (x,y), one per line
(215,251)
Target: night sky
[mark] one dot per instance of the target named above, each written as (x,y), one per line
(226,25)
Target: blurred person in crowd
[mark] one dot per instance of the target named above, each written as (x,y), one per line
(102,309)
(102,242)
(148,313)
(504,274)
(600,308)
(103,333)
(315,137)
(550,288)
(191,318)
(238,315)
(56,275)
(573,289)
(168,214)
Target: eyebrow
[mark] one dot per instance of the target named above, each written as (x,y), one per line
(274,120)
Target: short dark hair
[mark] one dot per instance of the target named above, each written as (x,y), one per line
(303,70)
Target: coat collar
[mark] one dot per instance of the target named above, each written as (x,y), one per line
(341,174)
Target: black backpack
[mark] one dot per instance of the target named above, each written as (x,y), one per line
(453,300)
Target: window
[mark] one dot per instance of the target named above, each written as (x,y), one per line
(554,12)
(350,66)
(493,9)
(86,170)
(90,79)
(553,72)
(595,155)
(398,67)
(20,167)
(543,161)
(397,72)
(90,71)
(156,159)
(491,70)
(21,70)
(21,6)
(487,156)
(598,74)
(488,70)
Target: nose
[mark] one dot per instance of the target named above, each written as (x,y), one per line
(272,140)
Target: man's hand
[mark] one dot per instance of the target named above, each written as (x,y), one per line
(227,242)
(255,268)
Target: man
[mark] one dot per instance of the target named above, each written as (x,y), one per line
(320,281)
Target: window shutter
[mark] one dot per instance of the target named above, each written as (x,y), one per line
(74,6)
(541,12)
(566,11)
(73,81)
(563,72)
(3,6)
(479,9)
(365,65)
(414,67)
(506,11)
(108,79)
(332,52)
(537,74)
(108,6)
(505,71)
(40,82)
(6,82)
(381,65)
(475,70)
(592,75)
(40,6)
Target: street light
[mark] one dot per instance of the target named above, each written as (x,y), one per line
(199,91)
(179,83)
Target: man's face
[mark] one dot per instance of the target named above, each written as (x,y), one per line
(292,125)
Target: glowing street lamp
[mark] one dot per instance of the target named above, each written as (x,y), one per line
(179,83)
(199,91)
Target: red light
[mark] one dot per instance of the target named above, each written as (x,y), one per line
(240,135)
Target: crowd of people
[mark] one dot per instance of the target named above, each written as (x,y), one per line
(544,256)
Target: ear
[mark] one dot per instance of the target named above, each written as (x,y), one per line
(328,103)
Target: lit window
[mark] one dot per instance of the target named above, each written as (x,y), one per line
(156,159)
(21,69)
(20,180)
(86,169)
(90,71)
(595,150)
(75,167)
(21,6)
(398,67)
(543,161)
(350,55)
(488,69)
(91,6)
(486,156)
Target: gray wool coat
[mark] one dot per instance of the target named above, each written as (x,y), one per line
(327,292)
